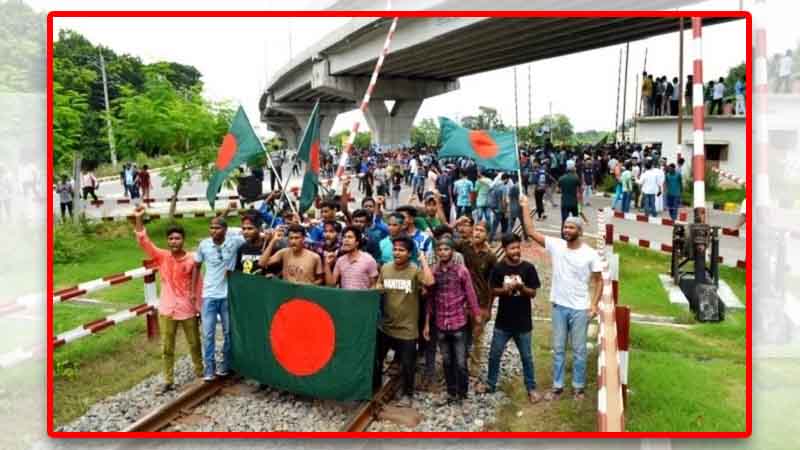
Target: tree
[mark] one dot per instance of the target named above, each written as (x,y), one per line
(69,112)
(487,119)
(426,133)
(557,127)
(363,139)
(735,73)
(22,38)
(184,125)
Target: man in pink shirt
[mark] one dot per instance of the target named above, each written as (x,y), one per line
(354,269)
(175,309)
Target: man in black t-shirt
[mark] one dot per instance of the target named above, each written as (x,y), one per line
(514,282)
(248,254)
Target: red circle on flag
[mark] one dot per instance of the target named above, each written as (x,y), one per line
(483,144)
(302,337)
(226,151)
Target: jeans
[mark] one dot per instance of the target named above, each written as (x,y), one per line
(191,333)
(573,323)
(649,204)
(453,345)
(211,308)
(626,202)
(587,194)
(539,196)
(87,191)
(513,215)
(673,203)
(273,179)
(483,213)
(405,350)
(463,210)
(740,110)
(66,207)
(498,222)
(523,341)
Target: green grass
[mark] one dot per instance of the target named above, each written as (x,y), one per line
(639,286)
(718,195)
(118,357)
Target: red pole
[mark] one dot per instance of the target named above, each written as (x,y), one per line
(623,318)
(698,116)
(609,234)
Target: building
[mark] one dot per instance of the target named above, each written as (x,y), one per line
(725,139)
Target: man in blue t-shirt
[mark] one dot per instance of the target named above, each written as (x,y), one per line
(463,188)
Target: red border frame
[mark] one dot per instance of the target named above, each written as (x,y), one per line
(411,434)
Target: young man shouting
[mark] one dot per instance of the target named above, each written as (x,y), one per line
(575,265)
(178,307)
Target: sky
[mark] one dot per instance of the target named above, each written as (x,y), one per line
(238,55)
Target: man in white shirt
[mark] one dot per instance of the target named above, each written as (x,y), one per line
(575,267)
(650,188)
(717,94)
(662,176)
(784,73)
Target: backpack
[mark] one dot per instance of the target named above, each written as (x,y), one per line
(495,194)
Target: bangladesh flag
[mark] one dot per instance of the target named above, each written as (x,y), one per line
(309,152)
(238,147)
(303,339)
(491,149)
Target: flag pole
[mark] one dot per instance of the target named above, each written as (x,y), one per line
(516,131)
(274,172)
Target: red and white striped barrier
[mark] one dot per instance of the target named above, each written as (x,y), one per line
(365,101)
(96,326)
(633,217)
(729,176)
(17,356)
(101,283)
(128,201)
(152,216)
(610,403)
(667,248)
(149,307)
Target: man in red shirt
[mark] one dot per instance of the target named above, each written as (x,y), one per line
(176,308)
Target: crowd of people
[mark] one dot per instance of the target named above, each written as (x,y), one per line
(430,256)
(661,96)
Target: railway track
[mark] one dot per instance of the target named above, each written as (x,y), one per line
(199,393)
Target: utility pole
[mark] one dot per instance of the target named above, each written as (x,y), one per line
(619,81)
(625,88)
(680,89)
(530,96)
(108,111)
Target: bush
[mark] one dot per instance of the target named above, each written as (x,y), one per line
(71,241)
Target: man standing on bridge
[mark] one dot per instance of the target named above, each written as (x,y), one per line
(575,265)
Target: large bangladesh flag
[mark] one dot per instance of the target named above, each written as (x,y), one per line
(491,149)
(309,152)
(239,145)
(308,340)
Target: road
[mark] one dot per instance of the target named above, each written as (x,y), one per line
(731,248)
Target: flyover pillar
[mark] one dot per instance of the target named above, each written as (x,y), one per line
(325,126)
(393,127)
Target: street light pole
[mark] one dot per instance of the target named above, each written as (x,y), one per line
(108,111)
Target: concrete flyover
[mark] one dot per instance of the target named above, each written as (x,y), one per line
(427,58)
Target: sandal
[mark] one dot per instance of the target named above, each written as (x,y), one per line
(555,394)
(534,397)
(579,394)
